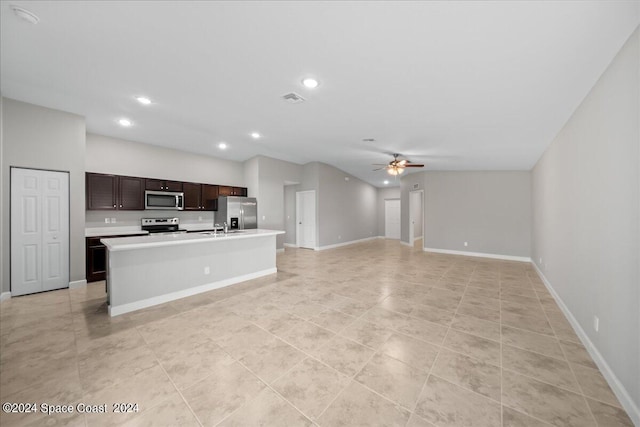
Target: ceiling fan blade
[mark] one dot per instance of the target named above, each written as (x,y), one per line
(379,169)
(414,165)
(378,164)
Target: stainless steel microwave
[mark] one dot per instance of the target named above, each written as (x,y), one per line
(165,200)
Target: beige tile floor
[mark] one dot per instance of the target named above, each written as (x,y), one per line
(370,334)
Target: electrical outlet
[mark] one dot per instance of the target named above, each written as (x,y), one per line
(596,323)
(339,237)
(466,243)
(113,221)
(207,270)
(107,220)
(540,261)
(264,217)
(199,218)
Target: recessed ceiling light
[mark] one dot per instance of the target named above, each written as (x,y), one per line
(143,100)
(386,182)
(222,146)
(25,15)
(310,83)
(125,122)
(255,135)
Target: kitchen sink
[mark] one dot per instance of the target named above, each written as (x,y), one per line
(219,233)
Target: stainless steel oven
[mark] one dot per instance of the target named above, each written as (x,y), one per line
(165,200)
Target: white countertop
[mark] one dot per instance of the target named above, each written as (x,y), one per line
(112,231)
(132,229)
(155,240)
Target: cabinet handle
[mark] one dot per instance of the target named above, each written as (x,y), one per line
(114,206)
(120,205)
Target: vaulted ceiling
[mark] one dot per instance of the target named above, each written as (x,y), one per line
(456,85)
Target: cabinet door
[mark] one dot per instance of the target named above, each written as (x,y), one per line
(223,190)
(131,193)
(210,197)
(173,185)
(96,260)
(154,184)
(101,191)
(240,191)
(192,196)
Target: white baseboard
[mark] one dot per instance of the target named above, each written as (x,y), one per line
(77,284)
(417,238)
(161,299)
(479,254)
(279,250)
(351,242)
(405,244)
(5,296)
(619,390)
(290,245)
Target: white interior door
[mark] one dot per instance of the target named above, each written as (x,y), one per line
(306,219)
(392,219)
(39,230)
(415,216)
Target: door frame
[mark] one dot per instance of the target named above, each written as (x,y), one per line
(11,168)
(385,217)
(298,233)
(411,229)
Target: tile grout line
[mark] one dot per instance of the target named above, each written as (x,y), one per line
(575,377)
(171,380)
(435,360)
(308,355)
(501,363)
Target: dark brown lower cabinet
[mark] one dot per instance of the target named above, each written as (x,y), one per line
(96,254)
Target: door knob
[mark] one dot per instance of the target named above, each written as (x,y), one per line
(55,237)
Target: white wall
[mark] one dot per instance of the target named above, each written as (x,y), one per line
(273,175)
(415,203)
(121,157)
(586,222)
(42,138)
(290,214)
(346,209)
(385,193)
(490,210)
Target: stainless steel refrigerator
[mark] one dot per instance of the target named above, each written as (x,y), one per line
(239,213)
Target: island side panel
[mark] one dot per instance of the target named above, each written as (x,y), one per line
(140,278)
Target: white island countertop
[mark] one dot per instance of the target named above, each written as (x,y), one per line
(159,240)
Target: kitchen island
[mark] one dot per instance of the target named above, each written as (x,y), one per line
(144,271)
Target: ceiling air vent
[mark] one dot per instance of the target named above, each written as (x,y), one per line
(293,98)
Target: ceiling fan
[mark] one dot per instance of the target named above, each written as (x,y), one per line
(396,167)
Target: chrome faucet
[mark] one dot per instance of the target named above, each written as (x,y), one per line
(226,227)
(215,229)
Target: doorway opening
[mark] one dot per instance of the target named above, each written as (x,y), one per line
(392,219)
(416,217)
(306,219)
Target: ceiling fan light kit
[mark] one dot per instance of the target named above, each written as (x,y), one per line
(396,167)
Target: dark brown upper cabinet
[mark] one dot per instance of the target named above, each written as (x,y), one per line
(113,192)
(163,185)
(192,196)
(209,197)
(101,191)
(130,193)
(232,191)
